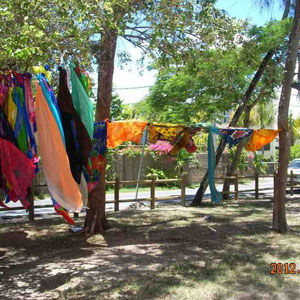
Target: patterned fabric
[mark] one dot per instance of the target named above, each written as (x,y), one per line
(124,131)
(3,93)
(167,132)
(97,155)
(29,101)
(178,135)
(63,212)
(60,181)
(16,171)
(5,130)
(260,138)
(182,141)
(19,128)
(11,109)
(233,136)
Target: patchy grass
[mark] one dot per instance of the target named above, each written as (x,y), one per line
(212,252)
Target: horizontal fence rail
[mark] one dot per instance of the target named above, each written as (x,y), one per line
(235,180)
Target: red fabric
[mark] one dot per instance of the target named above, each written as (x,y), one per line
(17,170)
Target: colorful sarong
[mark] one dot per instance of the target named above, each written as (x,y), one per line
(124,131)
(60,181)
(260,138)
(97,155)
(82,103)
(78,142)
(16,171)
(233,136)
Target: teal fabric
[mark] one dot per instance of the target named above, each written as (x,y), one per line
(215,195)
(82,103)
(47,94)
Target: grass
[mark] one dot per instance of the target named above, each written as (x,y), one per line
(212,252)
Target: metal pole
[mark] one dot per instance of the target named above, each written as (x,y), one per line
(141,163)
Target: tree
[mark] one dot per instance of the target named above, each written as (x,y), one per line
(200,91)
(39,32)
(279,218)
(34,32)
(239,111)
(164,30)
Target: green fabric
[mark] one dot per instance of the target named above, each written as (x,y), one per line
(82,103)
(20,129)
(216,196)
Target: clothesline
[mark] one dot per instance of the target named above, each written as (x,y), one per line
(72,145)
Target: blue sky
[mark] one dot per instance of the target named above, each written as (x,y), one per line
(129,76)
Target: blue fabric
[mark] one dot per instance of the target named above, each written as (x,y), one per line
(233,136)
(215,195)
(98,153)
(52,105)
(100,137)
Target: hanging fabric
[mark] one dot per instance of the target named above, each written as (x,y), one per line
(124,131)
(97,159)
(161,131)
(6,131)
(233,136)
(60,181)
(215,195)
(81,101)
(260,138)
(16,171)
(78,142)
(11,109)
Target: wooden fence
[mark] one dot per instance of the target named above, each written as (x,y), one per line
(153,199)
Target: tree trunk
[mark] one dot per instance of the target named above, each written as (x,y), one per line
(236,157)
(96,221)
(279,218)
(203,185)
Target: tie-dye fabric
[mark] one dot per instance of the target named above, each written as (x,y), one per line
(124,131)
(233,136)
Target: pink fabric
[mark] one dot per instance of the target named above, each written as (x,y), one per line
(17,169)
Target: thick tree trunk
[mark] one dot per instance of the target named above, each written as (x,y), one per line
(279,218)
(204,184)
(96,221)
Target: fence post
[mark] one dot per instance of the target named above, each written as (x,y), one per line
(236,186)
(31,204)
(117,193)
(292,182)
(256,178)
(182,189)
(153,192)
(274,183)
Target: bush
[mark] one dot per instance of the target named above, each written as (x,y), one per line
(295,152)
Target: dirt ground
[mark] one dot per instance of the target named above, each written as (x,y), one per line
(172,252)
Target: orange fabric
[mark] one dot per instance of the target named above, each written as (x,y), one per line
(260,138)
(124,131)
(60,181)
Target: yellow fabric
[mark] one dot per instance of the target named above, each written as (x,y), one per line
(168,132)
(60,181)
(11,109)
(260,138)
(124,131)
(182,142)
